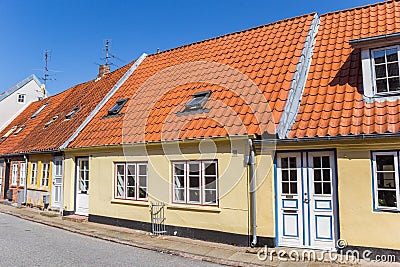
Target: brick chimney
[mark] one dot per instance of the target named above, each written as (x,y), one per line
(103,69)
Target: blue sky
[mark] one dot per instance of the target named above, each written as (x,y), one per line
(75,31)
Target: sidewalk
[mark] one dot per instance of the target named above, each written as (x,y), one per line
(194,249)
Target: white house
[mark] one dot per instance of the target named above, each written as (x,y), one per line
(17,98)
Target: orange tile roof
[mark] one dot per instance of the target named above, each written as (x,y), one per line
(332,103)
(37,137)
(164,82)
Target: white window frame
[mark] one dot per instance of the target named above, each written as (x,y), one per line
(202,184)
(44,181)
(34,173)
(14,174)
(136,175)
(368,71)
(1,171)
(21,97)
(22,180)
(396,171)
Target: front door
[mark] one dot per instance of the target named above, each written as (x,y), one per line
(306,200)
(57,182)
(82,186)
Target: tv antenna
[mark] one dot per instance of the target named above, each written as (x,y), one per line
(110,56)
(46,76)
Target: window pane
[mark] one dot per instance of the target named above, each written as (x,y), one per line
(131,181)
(211,196)
(143,181)
(179,181)
(325,162)
(131,169)
(318,188)
(394,84)
(194,181)
(120,191)
(179,169)
(179,194)
(317,162)
(387,198)
(317,175)
(285,175)
(211,182)
(210,169)
(293,175)
(391,55)
(292,162)
(194,169)
(327,188)
(285,188)
(326,175)
(194,195)
(131,192)
(381,86)
(284,163)
(385,162)
(142,192)
(379,56)
(380,71)
(393,69)
(142,169)
(386,180)
(293,188)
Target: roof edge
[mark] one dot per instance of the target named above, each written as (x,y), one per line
(358,7)
(104,100)
(299,80)
(19,85)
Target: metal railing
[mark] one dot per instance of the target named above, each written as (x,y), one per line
(158,218)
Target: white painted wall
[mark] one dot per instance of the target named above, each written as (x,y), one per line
(10,108)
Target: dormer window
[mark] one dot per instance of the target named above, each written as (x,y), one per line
(72,113)
(198,101)
(50,122)
(386,70)
(39,110)
(115,110)
(7,134)
(19,129)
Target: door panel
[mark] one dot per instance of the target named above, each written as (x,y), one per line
(82,186)
(57,182)
(305,199)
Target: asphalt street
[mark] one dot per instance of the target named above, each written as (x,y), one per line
(24,243)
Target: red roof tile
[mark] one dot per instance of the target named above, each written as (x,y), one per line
(332,102)
(268,55)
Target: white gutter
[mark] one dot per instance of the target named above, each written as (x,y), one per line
(104,100)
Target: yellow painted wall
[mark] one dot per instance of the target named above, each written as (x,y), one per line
(231,215)
(35,192)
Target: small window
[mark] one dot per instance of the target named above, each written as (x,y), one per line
(198,101)
(34,171)
(386,180)
(22,179)
(19,129)
(45,175)
(7,134)
(50,122)
(195,182)
(131,181)
(72,113)
(117,107)
(386,70)
(21,98)
(14,176)
(39,110)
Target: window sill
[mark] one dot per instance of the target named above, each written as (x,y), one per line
(43,189)
(143,203)
(194,208)
(387,210)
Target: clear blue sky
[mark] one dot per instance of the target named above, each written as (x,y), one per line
(75,31)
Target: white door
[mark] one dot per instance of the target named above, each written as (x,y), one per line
(82,187)
(57,182)
(306,191)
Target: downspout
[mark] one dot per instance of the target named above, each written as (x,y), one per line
(253,210)
(26,180)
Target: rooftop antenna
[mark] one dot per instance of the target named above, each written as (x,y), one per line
(46,75)
(109,56)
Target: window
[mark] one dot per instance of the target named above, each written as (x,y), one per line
(14,175)
(34,171)
(45,175)
(7,134)
(39,110)
(72,113)
(117,107)
(386,180)
(386,70)
(289,175)
(198,101)
(131,181)
(21,98)
(195,182)
(22,180)
(50,122)
(19,129)
(322,175)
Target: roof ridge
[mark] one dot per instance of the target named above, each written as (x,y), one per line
(236,32)
(359,7)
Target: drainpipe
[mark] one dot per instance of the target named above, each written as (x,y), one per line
(253,210)
(26,179)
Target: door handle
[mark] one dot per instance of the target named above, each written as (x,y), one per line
(306,200)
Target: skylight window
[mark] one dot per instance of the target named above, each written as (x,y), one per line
(39,110)
(7,134)
(50,122)
(19,129)
(117,107)
(72,113)
(198,101)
